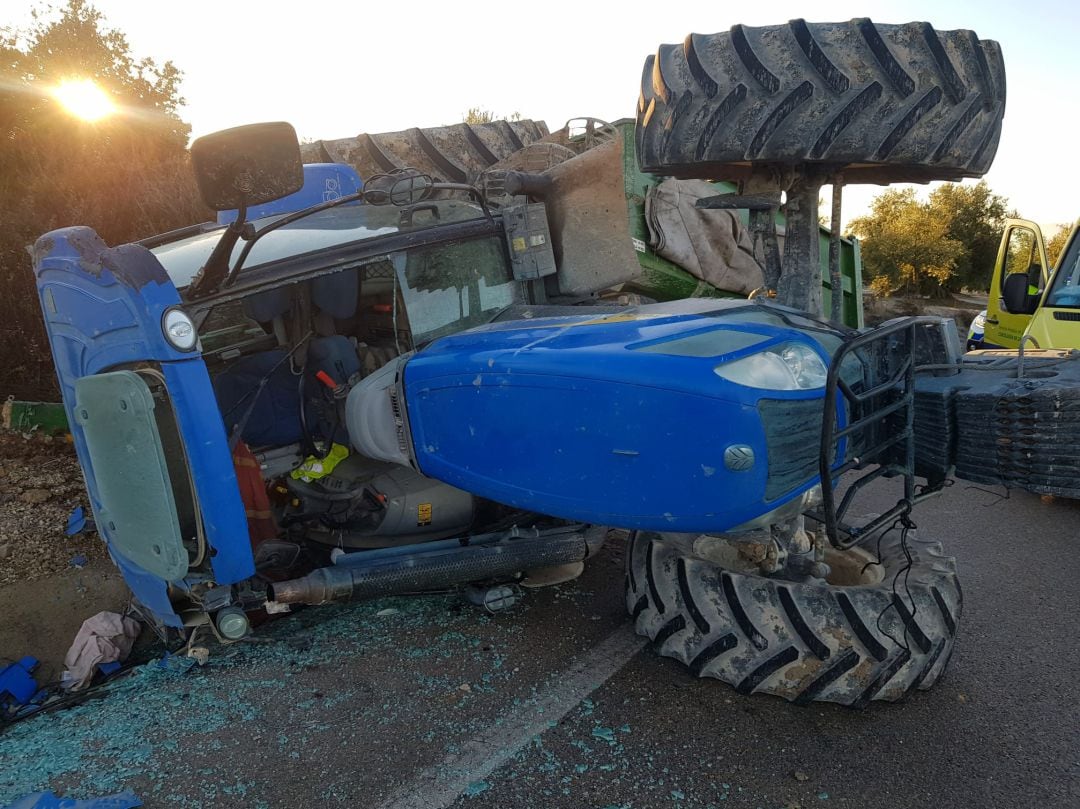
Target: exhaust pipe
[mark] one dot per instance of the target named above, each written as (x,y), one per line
(532,185)
(439,568)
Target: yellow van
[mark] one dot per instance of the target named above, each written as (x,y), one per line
(1029,300)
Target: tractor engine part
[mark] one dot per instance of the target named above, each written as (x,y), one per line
(232,623)
(493,599)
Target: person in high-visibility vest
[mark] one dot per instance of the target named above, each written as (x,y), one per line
(1034,286)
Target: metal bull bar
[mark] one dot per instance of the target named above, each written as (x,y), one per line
(880,428)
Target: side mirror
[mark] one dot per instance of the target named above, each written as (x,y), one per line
(1014,295)
(247,165)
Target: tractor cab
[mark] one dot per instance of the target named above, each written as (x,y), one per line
(205,371)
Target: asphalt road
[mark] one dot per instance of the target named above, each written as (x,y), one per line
(558,705)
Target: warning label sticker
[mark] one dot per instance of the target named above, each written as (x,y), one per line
(423,514)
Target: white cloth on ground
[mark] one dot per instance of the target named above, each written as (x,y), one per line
(104,638)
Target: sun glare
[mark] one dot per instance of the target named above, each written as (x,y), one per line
(84,99)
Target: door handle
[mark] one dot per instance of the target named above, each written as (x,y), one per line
(993,321)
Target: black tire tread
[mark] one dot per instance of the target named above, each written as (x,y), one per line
(806,642)
(882,103)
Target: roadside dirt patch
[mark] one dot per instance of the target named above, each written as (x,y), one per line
(40,485)
(41,617)
(961,308)
(49,582)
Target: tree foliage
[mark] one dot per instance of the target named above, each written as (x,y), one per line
(944,244)
(905,245)
(1057,243)
(975,217)
(127,175)
(478,115)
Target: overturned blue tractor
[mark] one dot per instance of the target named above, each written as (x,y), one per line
(385,390)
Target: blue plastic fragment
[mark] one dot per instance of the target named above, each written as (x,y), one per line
(108,669)
(76,522)
(17,684)
(79,560)
(49,800)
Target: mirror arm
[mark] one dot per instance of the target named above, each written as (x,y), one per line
(216,269)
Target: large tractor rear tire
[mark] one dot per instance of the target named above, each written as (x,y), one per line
(871,633)
(881,103)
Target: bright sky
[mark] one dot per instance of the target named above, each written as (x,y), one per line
(335,69)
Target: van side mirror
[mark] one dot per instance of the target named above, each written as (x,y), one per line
(247,165)
(1014,295)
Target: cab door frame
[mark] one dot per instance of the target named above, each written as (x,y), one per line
(1005,329)
(1057,326)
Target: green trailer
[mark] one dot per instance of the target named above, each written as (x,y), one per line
(665,280)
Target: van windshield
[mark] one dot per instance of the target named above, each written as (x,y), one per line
(1065,283)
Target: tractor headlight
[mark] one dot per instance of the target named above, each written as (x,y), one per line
(788,366)
(179,330)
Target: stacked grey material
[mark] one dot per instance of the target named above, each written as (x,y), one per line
(997,428)
(935,428)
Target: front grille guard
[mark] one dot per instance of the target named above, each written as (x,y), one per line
(881,418)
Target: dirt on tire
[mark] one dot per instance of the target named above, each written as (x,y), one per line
(878,635)
(881,103)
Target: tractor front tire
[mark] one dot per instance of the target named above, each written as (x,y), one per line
(877,632)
